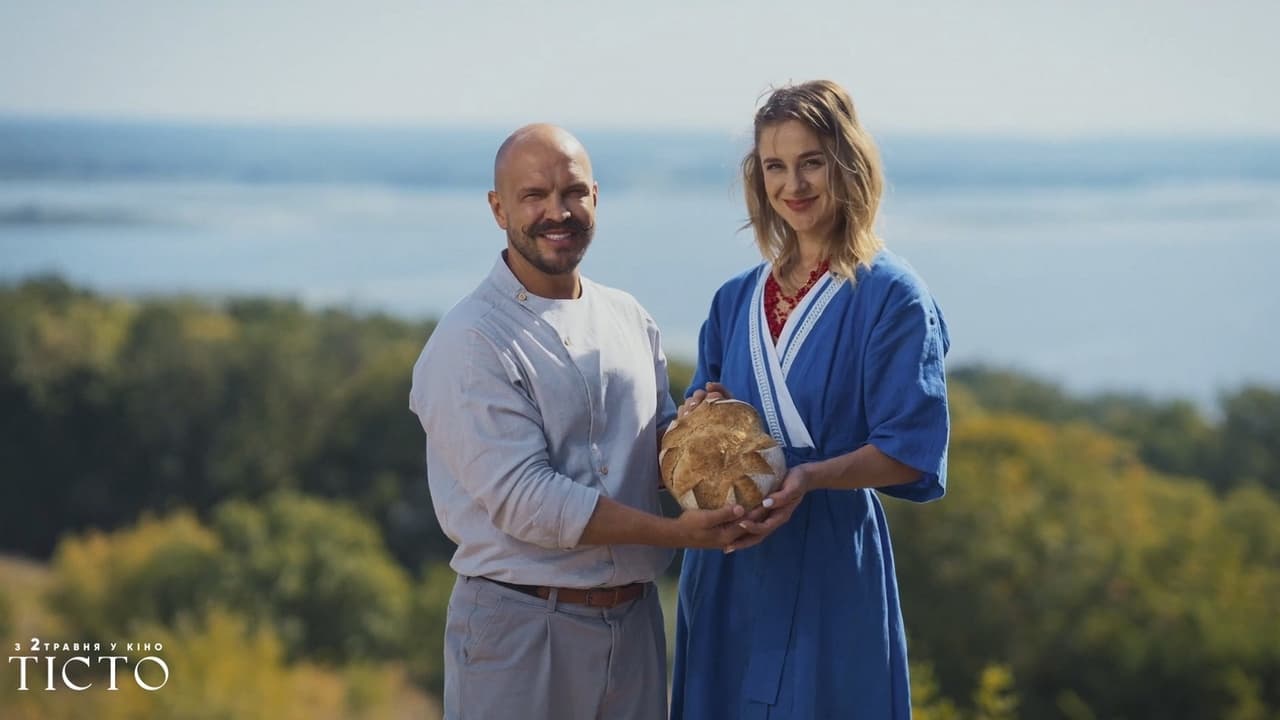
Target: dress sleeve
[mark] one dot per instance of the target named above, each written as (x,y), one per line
(906,389)
(482,424)
(710,351)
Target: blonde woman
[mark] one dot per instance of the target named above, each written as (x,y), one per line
(838,344)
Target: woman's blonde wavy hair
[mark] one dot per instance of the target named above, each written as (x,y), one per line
(856,178)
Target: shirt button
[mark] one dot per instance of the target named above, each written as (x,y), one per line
(567,343)
(604,469)
(521,296)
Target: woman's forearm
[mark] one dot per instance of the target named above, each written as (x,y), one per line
(865,467)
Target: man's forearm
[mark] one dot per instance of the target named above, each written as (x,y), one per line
(613,523)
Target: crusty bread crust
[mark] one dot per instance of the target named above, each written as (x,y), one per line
(719,454)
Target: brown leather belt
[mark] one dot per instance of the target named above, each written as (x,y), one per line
(591,597)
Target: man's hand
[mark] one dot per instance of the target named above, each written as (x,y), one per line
(712,391)
(710,528)
(777,509)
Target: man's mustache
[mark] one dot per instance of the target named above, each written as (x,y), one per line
(572,225)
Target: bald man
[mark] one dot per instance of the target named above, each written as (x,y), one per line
(544,396)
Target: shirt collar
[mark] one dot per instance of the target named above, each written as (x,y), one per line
(508,285)
(505,281)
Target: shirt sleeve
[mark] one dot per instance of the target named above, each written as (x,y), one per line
(666,406)
(484,427)
(906,389)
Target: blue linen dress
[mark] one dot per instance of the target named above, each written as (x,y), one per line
(807,624)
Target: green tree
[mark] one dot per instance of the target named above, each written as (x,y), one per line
(1251,438)
(927,701)
(426,626)
(57,348)
(172,395)
(1007,391)
(1057,553)
(994,698)
(1170,436)
(679,376)
(6,615)
(315,572)
(368,447)
(173,403)
(318,572)
(107,583)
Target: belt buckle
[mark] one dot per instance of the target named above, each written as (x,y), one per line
(601,593)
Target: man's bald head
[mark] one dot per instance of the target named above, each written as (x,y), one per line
(545,199)
(537,138)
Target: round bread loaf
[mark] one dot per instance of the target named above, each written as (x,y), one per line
(718,454)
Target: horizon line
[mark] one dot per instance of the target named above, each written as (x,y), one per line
(406,125)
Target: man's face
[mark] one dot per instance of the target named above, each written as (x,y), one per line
(546,201)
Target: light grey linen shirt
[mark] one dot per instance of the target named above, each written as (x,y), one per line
(533,409)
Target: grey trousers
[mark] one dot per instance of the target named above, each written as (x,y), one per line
(512,655)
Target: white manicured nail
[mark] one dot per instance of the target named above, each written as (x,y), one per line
(768,502)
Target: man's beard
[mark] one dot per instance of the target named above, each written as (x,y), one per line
(525,241)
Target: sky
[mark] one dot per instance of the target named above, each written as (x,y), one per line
(1028,67)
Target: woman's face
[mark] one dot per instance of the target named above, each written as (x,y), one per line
(797,178)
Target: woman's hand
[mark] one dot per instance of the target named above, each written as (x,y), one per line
(712,391)
(777,508)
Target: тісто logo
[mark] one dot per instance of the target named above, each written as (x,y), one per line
(111,656)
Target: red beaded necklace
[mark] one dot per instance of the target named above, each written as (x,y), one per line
(774,299)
